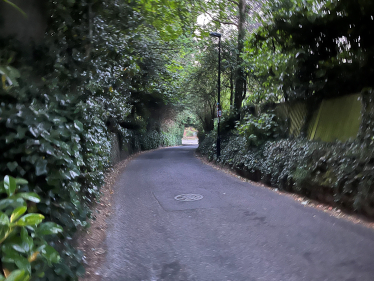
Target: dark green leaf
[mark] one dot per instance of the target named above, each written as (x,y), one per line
(5,203)
(21,181)
(34,131)
(30,196)
(9,254)
(2,189)
(12,165)
(41,167)
(4,220)
(17,202)
(12,256)
(10,185)
(21,132)
(50,254)
(27,241)
(48,228)
(81,270)
(23,264)
(78,125)
(20,248)
(4,232)
(13,201)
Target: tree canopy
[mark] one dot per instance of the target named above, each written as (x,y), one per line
(141,70)
(308,48)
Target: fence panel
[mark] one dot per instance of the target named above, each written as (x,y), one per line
(295,113)
(337,119)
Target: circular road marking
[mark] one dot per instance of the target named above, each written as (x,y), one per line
(188,197)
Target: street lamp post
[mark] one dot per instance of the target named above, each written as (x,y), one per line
(219,112)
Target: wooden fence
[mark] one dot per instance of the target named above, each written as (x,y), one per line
(332,119)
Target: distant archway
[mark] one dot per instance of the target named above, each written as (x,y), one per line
(190,135)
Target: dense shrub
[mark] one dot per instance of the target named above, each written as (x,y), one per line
(207,144)
(63,99)
(201,136)
(259,129)
(336,173)
(24,251)
(60,152)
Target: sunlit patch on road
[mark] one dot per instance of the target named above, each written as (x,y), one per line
(190,141)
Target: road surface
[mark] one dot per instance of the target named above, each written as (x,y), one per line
(235,231)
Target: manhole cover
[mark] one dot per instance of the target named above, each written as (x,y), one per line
(188,197)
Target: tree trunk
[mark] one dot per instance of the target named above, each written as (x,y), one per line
(231,88)
(240,79)
(245,86)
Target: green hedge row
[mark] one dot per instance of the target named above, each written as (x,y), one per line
(60,102)
(62,148)
(63,154)
(341,174)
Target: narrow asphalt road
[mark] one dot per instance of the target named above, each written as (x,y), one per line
(236,231)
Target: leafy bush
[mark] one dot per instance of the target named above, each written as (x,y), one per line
(24,251)
(343,172)
(208,144)
(60,145)
(201,136)
(54,108)
(259,129)
(336,173)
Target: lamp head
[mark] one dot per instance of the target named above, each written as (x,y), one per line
(215,34)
